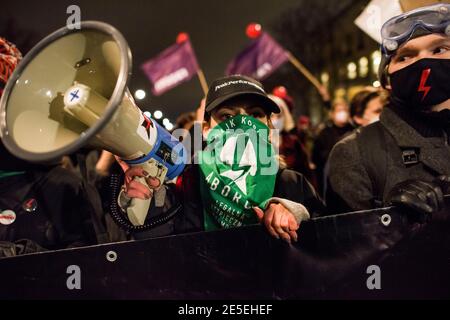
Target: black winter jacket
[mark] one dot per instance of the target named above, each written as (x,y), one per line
(413,149)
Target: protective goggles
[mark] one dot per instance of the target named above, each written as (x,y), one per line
(399,29)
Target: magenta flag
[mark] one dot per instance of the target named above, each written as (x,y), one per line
(259,59)
(173,66)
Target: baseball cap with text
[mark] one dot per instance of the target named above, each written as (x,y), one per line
(227,88)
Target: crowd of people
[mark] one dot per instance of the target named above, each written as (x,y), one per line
(386,146)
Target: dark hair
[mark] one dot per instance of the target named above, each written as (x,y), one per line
(359,103)
(337,102)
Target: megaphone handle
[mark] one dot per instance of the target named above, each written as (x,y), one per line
(137,211)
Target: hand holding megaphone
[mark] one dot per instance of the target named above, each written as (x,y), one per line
(153,148)
(138,189)
(135,188)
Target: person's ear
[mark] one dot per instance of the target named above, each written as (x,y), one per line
(269,123)
(358,120)
(206,128)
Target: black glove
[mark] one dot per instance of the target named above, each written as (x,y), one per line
(420,196)
(444,183)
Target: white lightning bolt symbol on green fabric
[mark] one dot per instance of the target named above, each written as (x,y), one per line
(248,159)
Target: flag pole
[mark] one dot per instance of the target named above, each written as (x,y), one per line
(254,30)
(202,79)
(183,37)
(300,67)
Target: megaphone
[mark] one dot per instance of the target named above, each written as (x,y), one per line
(70,91)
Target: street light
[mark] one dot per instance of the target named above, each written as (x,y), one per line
(157,114)
(169,126)
(376,60)
(351,70)
(147,114)
(140,94)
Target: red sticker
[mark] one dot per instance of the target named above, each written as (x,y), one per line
(30,205)
(7,217)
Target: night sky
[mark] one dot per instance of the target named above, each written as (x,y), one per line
(216,28)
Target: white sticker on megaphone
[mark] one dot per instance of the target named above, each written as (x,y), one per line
(7,217)
(76,95)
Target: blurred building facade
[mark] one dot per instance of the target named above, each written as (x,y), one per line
(324,37)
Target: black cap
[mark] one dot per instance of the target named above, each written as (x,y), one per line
(226,88)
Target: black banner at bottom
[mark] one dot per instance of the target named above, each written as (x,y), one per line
(378,254)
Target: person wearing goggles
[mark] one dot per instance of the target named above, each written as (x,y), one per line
(404,159)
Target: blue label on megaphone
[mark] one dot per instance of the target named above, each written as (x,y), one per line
(167,150)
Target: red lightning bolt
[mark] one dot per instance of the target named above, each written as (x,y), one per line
(423,81)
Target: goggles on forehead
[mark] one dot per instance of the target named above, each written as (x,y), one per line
(399,29)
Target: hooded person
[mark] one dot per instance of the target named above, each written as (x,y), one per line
(236,179)
(404,158)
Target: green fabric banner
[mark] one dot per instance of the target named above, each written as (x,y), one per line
(237,172)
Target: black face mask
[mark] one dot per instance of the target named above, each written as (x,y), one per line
(422,85)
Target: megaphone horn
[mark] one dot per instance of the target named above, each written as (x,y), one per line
(71,90)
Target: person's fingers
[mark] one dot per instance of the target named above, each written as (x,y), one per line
(286,237)
(276,221)
(134,193)
(433,193)
(438,192)
(293,227)
(122,164)
(290,225)
(293,224)
(284,223)
(421,188)
(418,192)
(293,235)
(432,200)
(136,171)
(421,207)
(259,213)
(136,185)
(279,222)
(153,182)
(268,217)
(411,200)
(428,193)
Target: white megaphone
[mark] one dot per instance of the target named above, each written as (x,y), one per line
(71,90)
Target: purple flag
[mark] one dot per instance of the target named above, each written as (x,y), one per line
(259,59)
(171,67)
